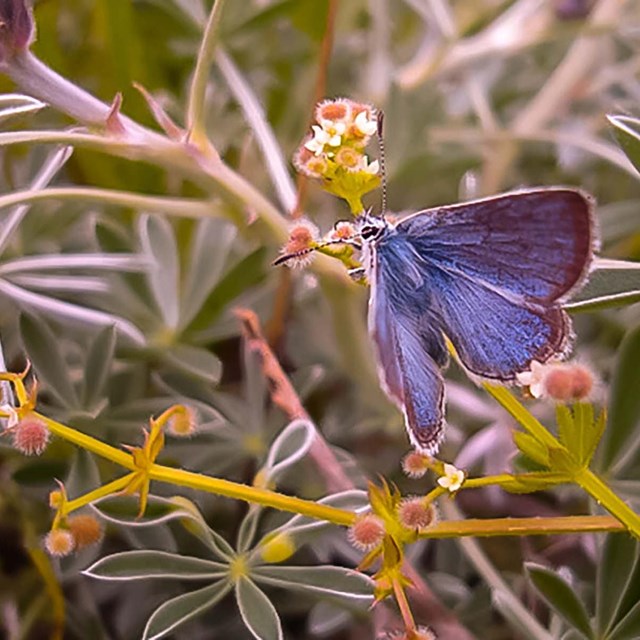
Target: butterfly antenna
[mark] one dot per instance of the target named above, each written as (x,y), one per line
(381,158)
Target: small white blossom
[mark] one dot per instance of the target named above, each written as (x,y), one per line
(365,125)
(370,167)
(12,415)
(452,479)
(534,379)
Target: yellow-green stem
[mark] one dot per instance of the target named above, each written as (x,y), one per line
(253,495)
(598,490)
(520,413)
(88,443)
(101,492)
(522,526)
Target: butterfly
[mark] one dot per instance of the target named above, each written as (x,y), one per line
(488,276)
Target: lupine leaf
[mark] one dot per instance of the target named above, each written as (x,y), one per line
(258,614)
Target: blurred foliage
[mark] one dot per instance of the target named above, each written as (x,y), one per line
(123,313)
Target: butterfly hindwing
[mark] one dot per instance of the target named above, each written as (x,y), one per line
(410,356)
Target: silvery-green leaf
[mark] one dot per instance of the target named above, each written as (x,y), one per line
(629,626)
(323,580)
(613,283)
(174,612)
(137,565)
(257,611)
(14,104)
(97,366)
(292,444)
(83,475)
(159,244)
(326,619)
(194,361)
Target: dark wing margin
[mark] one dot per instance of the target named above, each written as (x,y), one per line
(410,357)
(535,245)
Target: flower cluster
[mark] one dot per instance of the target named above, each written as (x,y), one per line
(559,381)
(334,152)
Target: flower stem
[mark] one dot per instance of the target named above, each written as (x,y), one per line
(101,492)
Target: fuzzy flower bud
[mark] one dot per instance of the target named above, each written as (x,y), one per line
(415,464)
(303,236)
(278,549)
(559,381)
(367,532)
(183,422)
(416,514)
(30,436)
(59,542)
(85,529)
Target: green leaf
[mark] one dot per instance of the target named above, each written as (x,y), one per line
(614,283)
(617,580)
(258,614)
(567,430)
(292,444)
(43,350)
(323,580)
(137,565)
(98,366)
(531,447)
(627,132)
(83,475)
(629,626)
(159,244)
(535,481)
(624,404)
(194,361)
(178,610)
(560,597)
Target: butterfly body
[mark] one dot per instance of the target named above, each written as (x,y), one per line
(489,276)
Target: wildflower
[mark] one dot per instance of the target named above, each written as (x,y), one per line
(12,416)
(367,532)
(533,378)
(59,542)
(328,134)
(338,110)
(415,464)
(452,479)
(365,124)
(303,236)
(309,164)
(183,422)
(85,529)
(415,513)
(343,230)
(30,436)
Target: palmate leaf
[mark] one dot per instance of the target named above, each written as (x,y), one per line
(186,606)
(560,597)
(257,611)
(144,564)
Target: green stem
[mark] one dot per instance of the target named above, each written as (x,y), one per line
(598,490)
(195,106)
(508,401)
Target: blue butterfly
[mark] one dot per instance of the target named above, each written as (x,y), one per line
(490,276)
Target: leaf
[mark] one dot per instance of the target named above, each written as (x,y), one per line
(258,614)
(137,565)
(614,283)
(194,361)
(159,244)
(42,348)
(627,132)
(617,580)
(323,580)
(531,448)
(629,626)
(98,366)
(13,104)
(291,445)
(624,403)
(178,610)
(535,481)
(83,475)
(560,597)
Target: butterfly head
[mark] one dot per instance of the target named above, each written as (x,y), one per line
(370,228)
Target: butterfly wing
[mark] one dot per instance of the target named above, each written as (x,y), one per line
(411,355)
(495,270)
(535,245)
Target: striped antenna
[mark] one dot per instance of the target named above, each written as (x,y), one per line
(381,159)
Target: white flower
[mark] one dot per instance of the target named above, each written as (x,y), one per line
(330,133)
(365,125)
(534,378)
(452,479)
(11,415)
(370,167)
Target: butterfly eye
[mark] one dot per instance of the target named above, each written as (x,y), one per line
(369,232)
